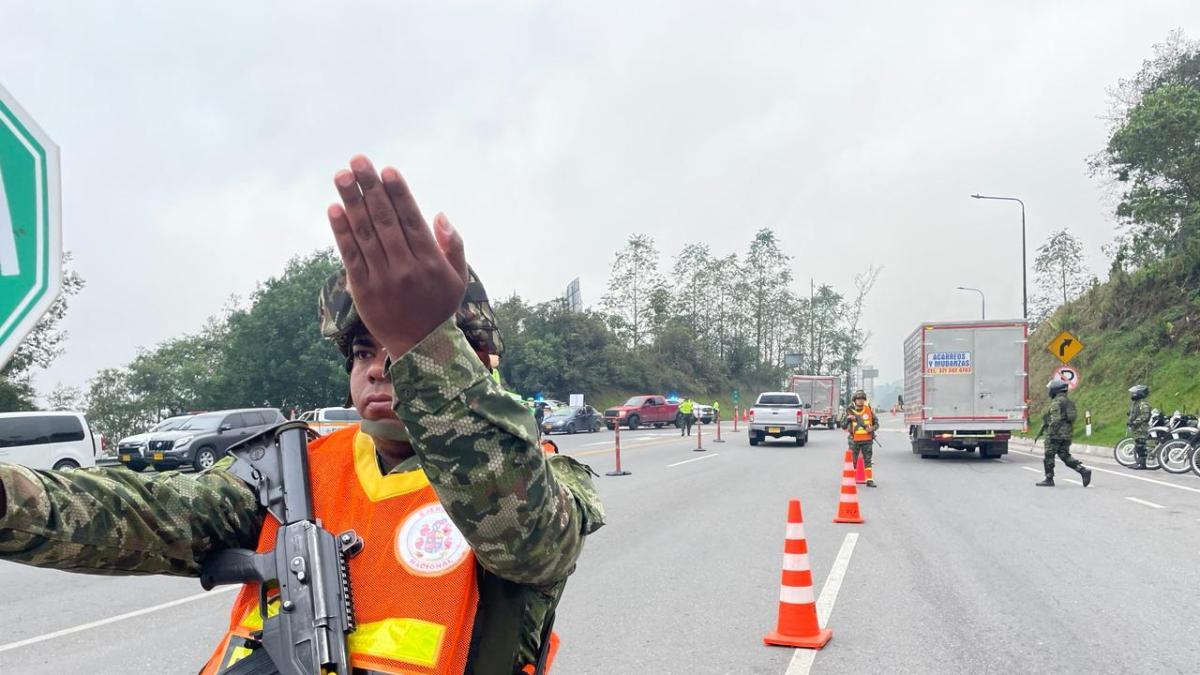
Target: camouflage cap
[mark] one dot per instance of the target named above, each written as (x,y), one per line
(340,321)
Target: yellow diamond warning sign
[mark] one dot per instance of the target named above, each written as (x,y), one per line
(1065,347)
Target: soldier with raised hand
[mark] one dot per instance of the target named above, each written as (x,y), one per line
(1058,424)
(442,451)
(1138,423)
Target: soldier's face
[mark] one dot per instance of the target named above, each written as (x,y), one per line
(370,386)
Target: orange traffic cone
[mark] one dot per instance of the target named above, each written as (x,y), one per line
(860,471)
(797,625)
(848,500)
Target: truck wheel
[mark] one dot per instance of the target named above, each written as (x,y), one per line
(66,465)
(678,421)
(571,428)
(633,422)
(753,438)
(801,441)
(829,424)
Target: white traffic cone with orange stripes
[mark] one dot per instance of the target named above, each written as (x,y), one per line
(797,625)
(848,499)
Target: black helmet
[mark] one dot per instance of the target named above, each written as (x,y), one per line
(1056,387)
(859,394)
(1138,392)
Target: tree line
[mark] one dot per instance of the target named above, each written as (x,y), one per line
(712,323)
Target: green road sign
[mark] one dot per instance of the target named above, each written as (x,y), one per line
(736,396)
(30,230)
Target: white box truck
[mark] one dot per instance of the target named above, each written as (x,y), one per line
(966,386)
(821,392)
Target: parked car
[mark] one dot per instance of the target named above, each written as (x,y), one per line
(202,440)
(779,414)
(572,419)
(328,420)
(641,410)
(131,450)
(47,440)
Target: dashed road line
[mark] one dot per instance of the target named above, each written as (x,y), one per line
(694,459)
(1143,502)
(1147,480)
(114,619)
(802,659)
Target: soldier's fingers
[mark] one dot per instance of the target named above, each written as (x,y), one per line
(420,239)
(347,245)
(451,243)
(382,212)
(360,220)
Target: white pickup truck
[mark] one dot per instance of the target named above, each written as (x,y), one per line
(778,414)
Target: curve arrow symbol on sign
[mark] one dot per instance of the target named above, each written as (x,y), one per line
(1062,347)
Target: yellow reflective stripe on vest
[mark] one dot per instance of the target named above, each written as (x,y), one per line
(408,640)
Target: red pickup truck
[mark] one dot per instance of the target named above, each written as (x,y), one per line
(642,410)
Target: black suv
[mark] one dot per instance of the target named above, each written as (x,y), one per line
(203,439)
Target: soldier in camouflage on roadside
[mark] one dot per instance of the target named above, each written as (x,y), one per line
(1058,425)
(431,407)
(1138,423)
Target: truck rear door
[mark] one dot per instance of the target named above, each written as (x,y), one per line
(974,373)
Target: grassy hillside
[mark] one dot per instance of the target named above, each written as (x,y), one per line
(1139,328)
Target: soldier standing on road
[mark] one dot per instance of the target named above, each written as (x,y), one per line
(440,446)
(1058,423)
(860,421)
(1139,422)
(685,412)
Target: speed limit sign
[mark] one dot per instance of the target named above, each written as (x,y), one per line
(1069,375)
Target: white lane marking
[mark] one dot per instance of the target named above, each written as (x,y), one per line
(1072,480)
(589,445)
(114,619)
(802,659)
(694,459)
(1030,468)
(1148,480)
(1143,502)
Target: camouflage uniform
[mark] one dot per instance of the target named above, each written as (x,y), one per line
(1139,427)
(524,514)
(865,449)
(1059,421)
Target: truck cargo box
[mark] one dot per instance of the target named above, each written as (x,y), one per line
(964,377)
(821,392)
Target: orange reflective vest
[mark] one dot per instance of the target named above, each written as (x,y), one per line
(413,584)
(861,424)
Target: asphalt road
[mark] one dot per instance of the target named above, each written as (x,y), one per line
(962,566)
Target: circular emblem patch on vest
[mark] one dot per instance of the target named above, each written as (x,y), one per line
(429,544)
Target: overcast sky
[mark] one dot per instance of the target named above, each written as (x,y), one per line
(199,141)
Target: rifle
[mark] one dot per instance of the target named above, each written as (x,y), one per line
(1038,437)
(308,564)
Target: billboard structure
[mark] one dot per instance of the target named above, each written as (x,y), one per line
(572,297)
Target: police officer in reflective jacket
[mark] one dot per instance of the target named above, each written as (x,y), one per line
(1058,424)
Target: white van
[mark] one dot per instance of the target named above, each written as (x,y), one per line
(47,440)
(328,420)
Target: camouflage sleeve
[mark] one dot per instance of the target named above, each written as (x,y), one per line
(479,449)
(1069,411)
(114,521)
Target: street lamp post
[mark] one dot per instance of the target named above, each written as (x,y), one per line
(1024,277)
(982,301)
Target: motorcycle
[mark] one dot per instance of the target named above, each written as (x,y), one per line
(1175,454)
(1124,451)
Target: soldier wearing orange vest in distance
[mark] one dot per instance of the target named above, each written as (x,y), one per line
(469,527)
(860,421)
